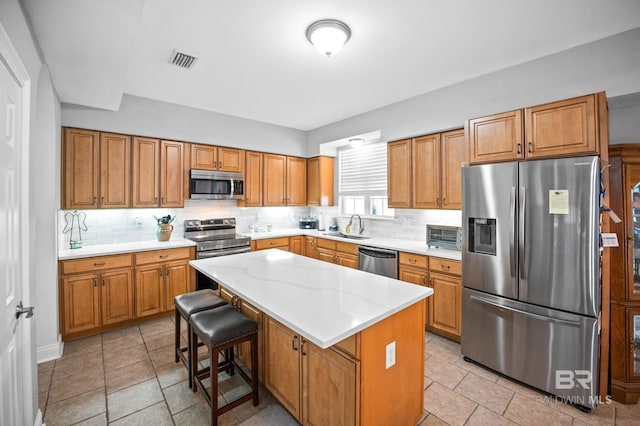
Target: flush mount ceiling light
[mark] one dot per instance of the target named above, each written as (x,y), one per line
(328,36)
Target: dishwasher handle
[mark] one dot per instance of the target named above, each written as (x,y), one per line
(379,253)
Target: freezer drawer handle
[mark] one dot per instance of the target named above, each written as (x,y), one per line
(527,314)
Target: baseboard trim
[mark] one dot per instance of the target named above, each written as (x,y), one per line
(51,352)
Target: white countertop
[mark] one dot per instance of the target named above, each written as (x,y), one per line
(119,248)
(324,302)
(417,247)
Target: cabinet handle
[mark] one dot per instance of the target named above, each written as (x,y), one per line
(166,272)
(164,256)
(430,282)
(424,281)
(438,202)
(95,282)
(445,267)
(219,164)
(103,282)
(160,272)
(99,264)
(302,347)
(93,203)
(293,343)
(519,148)
(444,201)
(412,260)
(530,147)
(162,201)
(155,200)
(632,345)
(101,200)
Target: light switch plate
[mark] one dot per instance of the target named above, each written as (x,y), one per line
(391,355)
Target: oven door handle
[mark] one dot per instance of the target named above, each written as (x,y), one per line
(218,253)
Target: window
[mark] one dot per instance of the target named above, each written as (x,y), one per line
(362,182)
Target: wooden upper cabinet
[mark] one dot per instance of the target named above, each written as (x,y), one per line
(453,152)
(320,181)
(561,128)
(296,181)
(425,164)
(157,173)
(496,138)
(207,157)
(274,180)
(171,184)
(399,174)
(80,169)
(252,180)
(146,172)
(115,171)
(285,181)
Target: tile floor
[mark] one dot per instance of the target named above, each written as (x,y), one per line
(129,377)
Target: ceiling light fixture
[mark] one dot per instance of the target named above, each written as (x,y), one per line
(328,36)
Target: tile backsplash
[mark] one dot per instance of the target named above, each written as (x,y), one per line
(126,225)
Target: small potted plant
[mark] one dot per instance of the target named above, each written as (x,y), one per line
(163,232)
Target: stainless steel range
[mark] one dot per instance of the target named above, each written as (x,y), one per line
(213,238)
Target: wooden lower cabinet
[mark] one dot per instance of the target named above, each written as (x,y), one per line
(244,350)
(281,243)
(310,247)
(296,245)
(343,254)
(317,386)
(445,306)
(103,292)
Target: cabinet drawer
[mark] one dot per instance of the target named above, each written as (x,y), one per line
(347,248)
(99,263)
(414,260)
(349,345)
(156,256)
(272,243)
(324,243)
(445,265)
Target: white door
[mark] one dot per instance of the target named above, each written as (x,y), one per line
(15,341)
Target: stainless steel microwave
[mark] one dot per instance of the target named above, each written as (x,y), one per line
(210,185)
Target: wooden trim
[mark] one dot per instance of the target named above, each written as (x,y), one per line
(603,146)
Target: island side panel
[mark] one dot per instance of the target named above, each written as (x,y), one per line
(394,395)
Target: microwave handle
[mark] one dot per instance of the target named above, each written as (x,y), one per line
(233,188)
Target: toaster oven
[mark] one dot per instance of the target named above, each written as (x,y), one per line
(442,236)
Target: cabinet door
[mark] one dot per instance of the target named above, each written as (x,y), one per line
(274,180)
(320,181)
(445,307)
(426,172)
(149,280)
(117,296)
(633,321)
(399,174)
(496,138)
(310,247)
(115,171)
(282,365)
(80,169)
(80,305)
(415,276)
(329,387)
(296,181)
(631,173)
(296,245)
(176,276)
(146,172)
(204,157)
(326,255)
(252,180)
(244,349)
(348,260)
(171,185)
(453,152)
(562,128)
(230,159)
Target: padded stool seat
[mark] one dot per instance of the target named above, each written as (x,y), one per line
(221,329)
(187,305)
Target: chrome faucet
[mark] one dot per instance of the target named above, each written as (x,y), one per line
(361,225)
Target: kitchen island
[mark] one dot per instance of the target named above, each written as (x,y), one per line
(338,345)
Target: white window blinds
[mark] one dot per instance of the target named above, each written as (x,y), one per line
(363,170)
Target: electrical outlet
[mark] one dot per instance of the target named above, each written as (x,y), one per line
(391,355)
(138,222)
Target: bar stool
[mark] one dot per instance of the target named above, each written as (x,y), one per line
(221,329)
(187,305)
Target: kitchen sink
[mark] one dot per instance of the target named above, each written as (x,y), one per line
(349,236)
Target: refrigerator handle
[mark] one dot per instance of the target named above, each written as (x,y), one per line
(521,235)
(512,214)
(527,314)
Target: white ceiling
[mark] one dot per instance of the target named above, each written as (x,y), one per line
(255,62)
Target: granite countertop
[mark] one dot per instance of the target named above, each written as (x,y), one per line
(119,248)
(325,303)
(416,247)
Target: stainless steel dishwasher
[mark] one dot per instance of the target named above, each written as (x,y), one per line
(378,261)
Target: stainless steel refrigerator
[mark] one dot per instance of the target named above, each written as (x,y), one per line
(531,273)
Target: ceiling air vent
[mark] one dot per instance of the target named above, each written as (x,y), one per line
(182,60)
